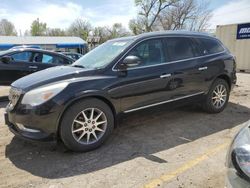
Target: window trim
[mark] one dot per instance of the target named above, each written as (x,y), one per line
(114,69)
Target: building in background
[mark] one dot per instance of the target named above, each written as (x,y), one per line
(64,44)
(236,38)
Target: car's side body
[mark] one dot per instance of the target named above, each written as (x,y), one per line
(130,90)
(25,61)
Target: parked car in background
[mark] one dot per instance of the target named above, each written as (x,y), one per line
(238,160)
(79,104)
(73,55)
(20,62)
(26,46)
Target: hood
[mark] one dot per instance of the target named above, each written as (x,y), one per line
(51,75)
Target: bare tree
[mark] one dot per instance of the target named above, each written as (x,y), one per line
(149,11)
(186,14)
(106,33)
(7,28)
(55,32)
(137,26)
(80,28)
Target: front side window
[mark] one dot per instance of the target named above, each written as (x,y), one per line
(150,52)
(178,48)
(211,45)
(22,56)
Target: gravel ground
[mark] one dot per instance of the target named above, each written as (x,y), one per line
(184,147)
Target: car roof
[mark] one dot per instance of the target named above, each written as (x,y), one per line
(35,50)
(165,33)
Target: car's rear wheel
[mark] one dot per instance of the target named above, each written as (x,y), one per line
(86,125)
(217,98)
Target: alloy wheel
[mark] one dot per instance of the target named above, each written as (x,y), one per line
(89,126)
(219,96)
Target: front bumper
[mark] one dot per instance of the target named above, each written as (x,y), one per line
(36,123)
(233,180)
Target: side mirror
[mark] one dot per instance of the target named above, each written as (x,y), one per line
(6,59)
(129,61)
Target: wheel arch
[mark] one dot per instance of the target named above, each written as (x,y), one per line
(226,78)
(72,102)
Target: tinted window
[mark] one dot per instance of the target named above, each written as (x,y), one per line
(178,48)
(150,52)
(211,45)
(21,56)
(58,60)
(199,47)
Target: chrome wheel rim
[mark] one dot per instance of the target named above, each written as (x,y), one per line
(219,96)
(89,126)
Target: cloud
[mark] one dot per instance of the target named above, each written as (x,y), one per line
(60,14)
(231,12)
(56,16)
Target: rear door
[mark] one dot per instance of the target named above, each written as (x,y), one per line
(186,79)
(16,68)
(211,62)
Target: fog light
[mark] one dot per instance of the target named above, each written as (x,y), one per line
(23,128)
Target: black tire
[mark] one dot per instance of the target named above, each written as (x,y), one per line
(72,112)
(208,105)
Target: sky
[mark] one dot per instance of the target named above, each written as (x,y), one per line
(60,13)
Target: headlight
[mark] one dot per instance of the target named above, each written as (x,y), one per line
(240,152)
(43,94)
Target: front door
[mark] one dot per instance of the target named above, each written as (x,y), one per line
(17,68)
(147,84)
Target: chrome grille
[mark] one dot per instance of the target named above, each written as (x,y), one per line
(14,95)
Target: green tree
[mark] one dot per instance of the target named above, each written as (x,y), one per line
(7,28)
(38,28)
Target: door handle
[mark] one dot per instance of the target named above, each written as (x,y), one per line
(165,75)
(33,67)
(202,68)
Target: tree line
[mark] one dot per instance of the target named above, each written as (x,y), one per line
(152,15)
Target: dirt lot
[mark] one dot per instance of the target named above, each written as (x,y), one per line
(154,148)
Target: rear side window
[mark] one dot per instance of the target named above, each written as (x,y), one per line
(48,59)
(211,45)
(178,48)
(22,56)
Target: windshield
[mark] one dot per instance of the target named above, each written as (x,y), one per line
(102,55)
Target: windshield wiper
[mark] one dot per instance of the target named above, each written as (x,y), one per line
(80,66)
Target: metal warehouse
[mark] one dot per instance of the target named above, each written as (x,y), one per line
(68,44)
(236,37)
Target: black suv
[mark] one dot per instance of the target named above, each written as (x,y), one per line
(79,103)
(19,62)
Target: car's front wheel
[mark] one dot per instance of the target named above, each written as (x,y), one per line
(86,125)
(217,97)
